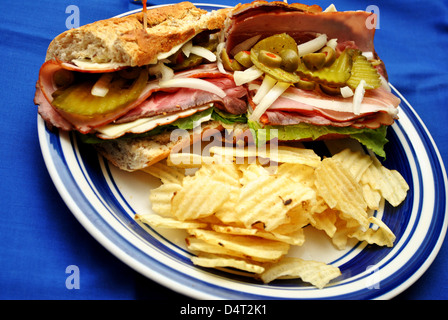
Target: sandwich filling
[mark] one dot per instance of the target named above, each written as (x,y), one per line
(310,74)
(298,71)
(111,103)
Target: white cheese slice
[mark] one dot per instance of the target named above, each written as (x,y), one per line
(112,131)
(88,65)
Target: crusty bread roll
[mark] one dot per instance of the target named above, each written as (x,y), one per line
(125,41)
(138,153)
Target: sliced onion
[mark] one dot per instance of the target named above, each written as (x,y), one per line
(248,75)
(173,50)
(384,84)
(266,86)
(101,87)
(332,43)
(245,45)
(162,71)
(269,99)
(204,53)
(331,8)
(368,54)
(186,48)
(358,97)
(193,83)
(346,92)
(312,45)
(219,49)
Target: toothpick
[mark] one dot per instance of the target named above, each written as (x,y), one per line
(145,19)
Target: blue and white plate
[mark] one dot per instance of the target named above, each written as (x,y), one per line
(105,200)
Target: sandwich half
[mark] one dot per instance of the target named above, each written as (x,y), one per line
(311,73)
(125,84)
(141,86)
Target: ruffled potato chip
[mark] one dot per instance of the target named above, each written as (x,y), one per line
(269,198)
(317,273)
(191,202)
(215,261)
(341,192)
(166,173)
(154,220)
(246,215)
(390,183)
(162,196)
(381,236)
(251,247)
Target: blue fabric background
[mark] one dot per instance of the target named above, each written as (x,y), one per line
(39,237)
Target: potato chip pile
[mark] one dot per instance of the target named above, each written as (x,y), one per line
(243,209)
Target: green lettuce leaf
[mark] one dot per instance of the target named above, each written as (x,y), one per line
(228,118)
(373,139)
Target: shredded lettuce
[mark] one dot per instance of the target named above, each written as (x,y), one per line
(373,139)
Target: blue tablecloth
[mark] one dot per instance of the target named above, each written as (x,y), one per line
(40,238)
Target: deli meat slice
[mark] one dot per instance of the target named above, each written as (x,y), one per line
(152,101)
(49,114)
(299,23)
(174,100)
(379,107)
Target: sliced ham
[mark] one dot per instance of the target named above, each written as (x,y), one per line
(52,118)
(266,21)
(379,107)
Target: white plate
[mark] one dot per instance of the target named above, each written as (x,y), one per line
(105,200)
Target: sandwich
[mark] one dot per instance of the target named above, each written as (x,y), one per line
(125,84)
(282,72)
(311,74)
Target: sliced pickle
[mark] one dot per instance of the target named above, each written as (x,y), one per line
(77,98)
(363,70)
(305,85)
(276,73)
(185,63)
(335,75)
(276,43)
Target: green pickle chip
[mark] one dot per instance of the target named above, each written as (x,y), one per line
(335,75)
(77,98)
(363,70)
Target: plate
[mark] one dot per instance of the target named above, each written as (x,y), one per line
(105,200)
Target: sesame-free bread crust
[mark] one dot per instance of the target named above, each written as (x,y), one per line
(125,41)
(139,153)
